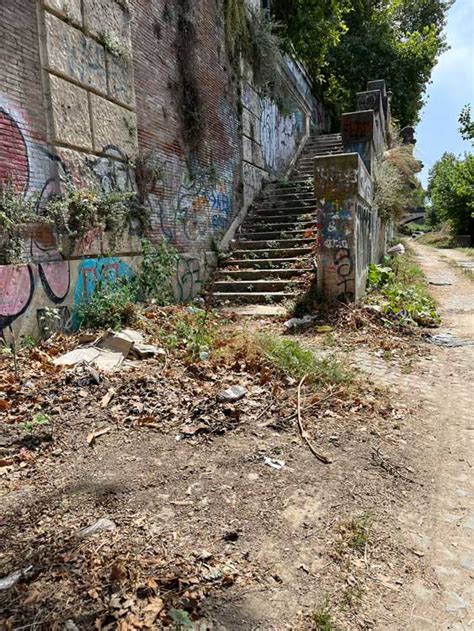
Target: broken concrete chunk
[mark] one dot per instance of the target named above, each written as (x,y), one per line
(101,524)
(232,394)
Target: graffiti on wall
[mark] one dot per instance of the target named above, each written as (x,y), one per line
(93,271)
(29,167)
(280,135)
(192,208)
(335,226)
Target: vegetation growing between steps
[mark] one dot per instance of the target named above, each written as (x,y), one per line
(399,290)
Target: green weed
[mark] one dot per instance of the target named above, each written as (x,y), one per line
(38,419)
(323,619)
(359,530)
(112,305)
(296,361)
(181,620)
(399,288)
(156,271)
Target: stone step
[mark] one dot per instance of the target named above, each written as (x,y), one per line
(294,226)
(257,224)
(284,212)
(286,187)
(279,234)
(282,195)
(262,274)
(273,253)
(255,298)
(278,244)
(262,263)
(289,203)
(257,286)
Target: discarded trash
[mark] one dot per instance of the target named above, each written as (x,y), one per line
(101,524)
(397,250)
(93,435)
(204,354)
(439,283)
(448,340)
(232,394)
(295,323)
(110,350)
(275,464)
(12,579)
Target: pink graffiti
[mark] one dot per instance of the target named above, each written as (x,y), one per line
(16,290)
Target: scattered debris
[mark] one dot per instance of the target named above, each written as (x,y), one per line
(101,524)
(304,435)
(274,464)
(447,339)
(12,579)
(110,350)
(397,250)
(295,323)
(91,437)
(232,394)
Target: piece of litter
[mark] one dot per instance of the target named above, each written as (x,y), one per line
(294,323)
(91,437)
(107,398)
(232,394)
(397,250)
(275,464)
(101,524)
(12,579)
(448,340)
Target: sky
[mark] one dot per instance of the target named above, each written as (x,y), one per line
(452,87)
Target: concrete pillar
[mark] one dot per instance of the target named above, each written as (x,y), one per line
(343,188)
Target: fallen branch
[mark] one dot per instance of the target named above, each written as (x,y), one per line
(321,457)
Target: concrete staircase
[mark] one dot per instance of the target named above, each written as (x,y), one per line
(274,247)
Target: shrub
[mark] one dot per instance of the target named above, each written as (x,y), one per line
(154,279)
(112,305)
(400,290)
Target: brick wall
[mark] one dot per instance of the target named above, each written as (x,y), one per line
(85,87)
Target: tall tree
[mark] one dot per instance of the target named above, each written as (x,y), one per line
(346,43)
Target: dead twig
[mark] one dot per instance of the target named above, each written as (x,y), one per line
(321,457)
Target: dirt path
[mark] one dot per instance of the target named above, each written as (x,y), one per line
(444,529)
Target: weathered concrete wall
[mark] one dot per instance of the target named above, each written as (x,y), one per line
(85,86)
(351,233)
(272,134)
(343,188)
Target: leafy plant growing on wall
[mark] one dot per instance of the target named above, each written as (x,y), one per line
(16,212)
(156,271)
(114,45)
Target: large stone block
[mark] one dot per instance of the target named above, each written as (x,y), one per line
(73,54)
(107,16)
(69,8)
(70,114)
(113,125)
(120,79)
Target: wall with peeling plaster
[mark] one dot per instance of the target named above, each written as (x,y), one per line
(69,108)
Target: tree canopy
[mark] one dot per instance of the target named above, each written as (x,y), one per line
(346,43)
(451,191)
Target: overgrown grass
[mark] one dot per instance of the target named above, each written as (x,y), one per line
(441,237)
(111,306)
(292,359)
(323,620)
(399,289)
